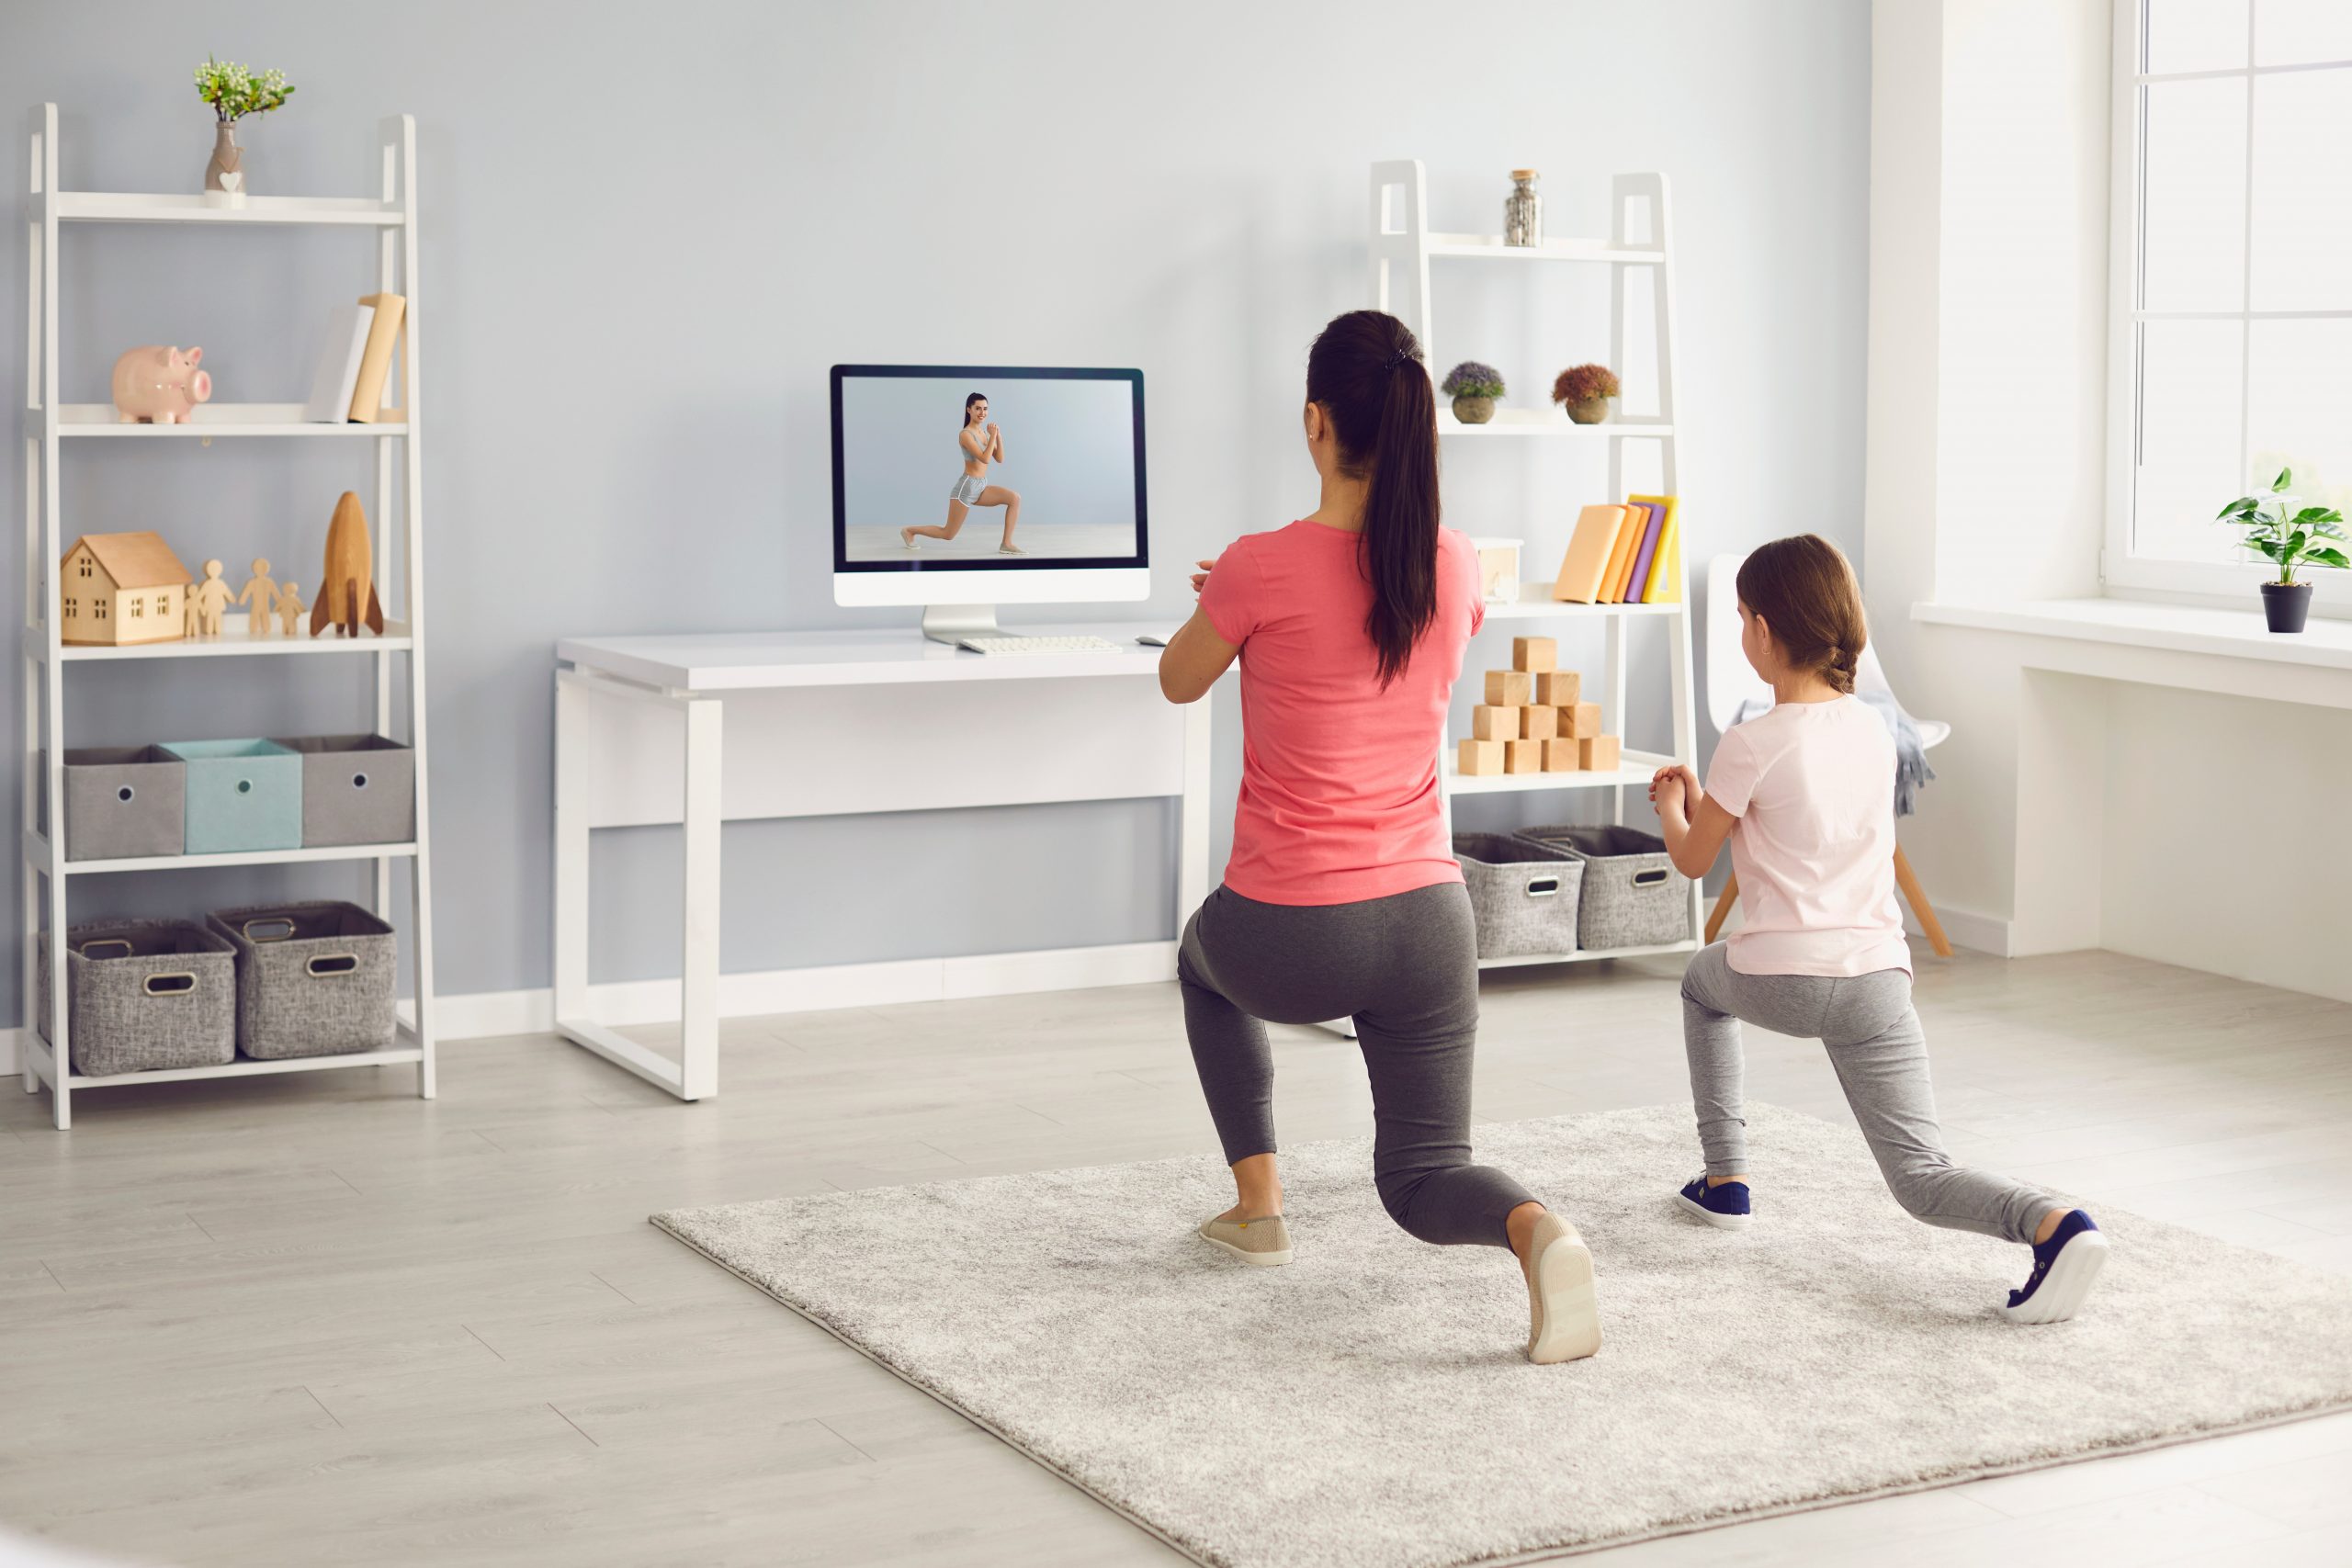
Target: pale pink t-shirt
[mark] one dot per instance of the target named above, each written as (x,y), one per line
(1813,785)
(1338,777)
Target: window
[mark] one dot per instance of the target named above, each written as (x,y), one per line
(2231,332)
(138,609)
(73,607)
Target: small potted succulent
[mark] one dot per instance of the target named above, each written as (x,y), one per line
(1473,389)
(1585,390)
(2291,536)
(234,92)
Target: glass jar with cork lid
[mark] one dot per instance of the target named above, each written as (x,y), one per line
(1523,210)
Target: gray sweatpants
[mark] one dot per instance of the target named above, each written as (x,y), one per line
(1874,1042)
(1406,968)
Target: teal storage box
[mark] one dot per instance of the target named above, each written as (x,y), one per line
(241,795)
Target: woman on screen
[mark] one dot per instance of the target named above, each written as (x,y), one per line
(979,443)
(1342,897)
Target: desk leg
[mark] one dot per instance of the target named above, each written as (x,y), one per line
(698,1018)
(572,718)
(1192,822)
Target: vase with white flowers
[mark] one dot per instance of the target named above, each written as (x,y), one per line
(2290,536)
(234,92)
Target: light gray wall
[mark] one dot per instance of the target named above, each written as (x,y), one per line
(648,231)
(1069,448)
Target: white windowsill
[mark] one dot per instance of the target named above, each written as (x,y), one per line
(2131,623)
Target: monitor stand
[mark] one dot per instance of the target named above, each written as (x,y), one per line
(951,624)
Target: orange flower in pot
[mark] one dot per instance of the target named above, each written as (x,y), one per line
(1585,390)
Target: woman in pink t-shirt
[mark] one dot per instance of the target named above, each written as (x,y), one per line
(1805,796)
(1343,899)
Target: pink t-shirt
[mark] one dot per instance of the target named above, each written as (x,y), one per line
(1813,785)
(1338,777)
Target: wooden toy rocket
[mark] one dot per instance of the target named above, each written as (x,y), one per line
(347,590)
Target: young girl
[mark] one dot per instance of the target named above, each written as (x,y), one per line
(1342,897)
(1805,794)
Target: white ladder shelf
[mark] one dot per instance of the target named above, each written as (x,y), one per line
(47,424)
(1402,248)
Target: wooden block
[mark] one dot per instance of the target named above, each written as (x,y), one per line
(1522,756)
(1495,723)
(1480,758)
(1559,688)
(1563,756)
(1599,753)
(1581,721)
(1535,655)
(1538,723)
(1508,688)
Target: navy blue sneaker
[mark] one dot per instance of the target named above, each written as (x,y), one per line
(1724,1206)
(2063,1268)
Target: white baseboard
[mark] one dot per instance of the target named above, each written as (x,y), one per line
(623,1003)
(1971,929)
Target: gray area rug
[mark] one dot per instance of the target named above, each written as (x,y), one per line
(1368,1405)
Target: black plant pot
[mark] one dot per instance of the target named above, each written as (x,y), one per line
(2286,605)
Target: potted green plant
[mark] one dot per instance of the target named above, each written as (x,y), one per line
(1473,389)
(1585,390)
(234,92)
(2291,536)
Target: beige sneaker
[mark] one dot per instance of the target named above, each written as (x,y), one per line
(1264,1243)
(1564,1321)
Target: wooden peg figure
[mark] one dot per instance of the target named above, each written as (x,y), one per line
(211,598)
(260,598)
(289,606)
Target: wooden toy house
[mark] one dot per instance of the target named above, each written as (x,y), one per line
(119,589)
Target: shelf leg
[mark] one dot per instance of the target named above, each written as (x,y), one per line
(60,1089)
(698,974)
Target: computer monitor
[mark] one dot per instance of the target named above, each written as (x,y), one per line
(933,463)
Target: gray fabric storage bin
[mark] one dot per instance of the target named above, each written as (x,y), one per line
(313,979)
(356,789)
(1523,895)
(1631,896)
(123,801)
(142,995)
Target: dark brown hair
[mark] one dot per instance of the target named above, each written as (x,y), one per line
(975,398)
(1367,370)
(1811,603)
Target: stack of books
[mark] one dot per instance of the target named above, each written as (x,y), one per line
(1623,555)
(348,386)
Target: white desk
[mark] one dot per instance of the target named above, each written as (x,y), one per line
(827,724)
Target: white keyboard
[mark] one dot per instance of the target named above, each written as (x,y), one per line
(1039,644)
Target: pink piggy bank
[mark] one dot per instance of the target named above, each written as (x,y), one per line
(159,386)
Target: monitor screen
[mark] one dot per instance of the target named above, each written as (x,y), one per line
(942,466)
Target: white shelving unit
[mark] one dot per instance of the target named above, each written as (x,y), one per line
(50,424)
(1403,246)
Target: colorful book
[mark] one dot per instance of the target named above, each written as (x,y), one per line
(1665,586)
(1588,554)
(1612,583)
(1638,580)
(375,363)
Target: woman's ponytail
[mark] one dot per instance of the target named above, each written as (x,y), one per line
(1367,371)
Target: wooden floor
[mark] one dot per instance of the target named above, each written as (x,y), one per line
(313,1320)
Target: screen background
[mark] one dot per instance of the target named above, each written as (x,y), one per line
(1070,446)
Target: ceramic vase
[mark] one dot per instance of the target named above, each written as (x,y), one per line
(224,172)
(1474,411)
(2286,605)
(1593,411)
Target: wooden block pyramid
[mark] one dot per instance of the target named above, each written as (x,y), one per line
(1534,719)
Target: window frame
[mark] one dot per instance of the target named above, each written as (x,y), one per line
(2124,573)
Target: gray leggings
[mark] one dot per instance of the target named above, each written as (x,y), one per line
(1406,968)
(1874,1042)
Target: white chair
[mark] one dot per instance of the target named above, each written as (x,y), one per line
(1730,683)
